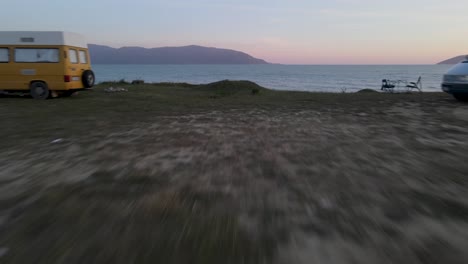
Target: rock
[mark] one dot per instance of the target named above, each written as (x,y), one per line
(58,140)
(113,90)
(3,251)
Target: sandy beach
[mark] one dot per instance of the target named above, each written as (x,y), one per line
(233,173)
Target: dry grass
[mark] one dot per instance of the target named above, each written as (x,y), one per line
(219,174)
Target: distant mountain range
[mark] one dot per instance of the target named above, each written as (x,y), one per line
(454,60)
(169,55)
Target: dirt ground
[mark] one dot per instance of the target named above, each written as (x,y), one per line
(182,174)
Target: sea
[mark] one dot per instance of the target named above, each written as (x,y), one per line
(315,78)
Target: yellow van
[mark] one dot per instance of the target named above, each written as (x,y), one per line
(46,64)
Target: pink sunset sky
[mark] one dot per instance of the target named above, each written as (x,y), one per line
(288,32)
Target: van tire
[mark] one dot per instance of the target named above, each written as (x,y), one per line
(88,78)
(39,90)
(462,97)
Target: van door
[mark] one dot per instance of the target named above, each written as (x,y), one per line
(38,63)
(73,68)
(87,74)
(78,68)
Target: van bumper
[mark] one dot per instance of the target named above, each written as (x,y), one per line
(453,88)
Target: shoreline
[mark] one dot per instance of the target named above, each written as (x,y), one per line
(332,78)
(123,82)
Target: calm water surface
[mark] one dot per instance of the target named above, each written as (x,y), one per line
(329,78)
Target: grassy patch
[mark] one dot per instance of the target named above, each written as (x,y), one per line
(164,172)
(127,220)
(228,88)
(367,91)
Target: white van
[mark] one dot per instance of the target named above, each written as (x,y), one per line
(455,81)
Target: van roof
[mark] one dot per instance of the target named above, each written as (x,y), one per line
(42,38)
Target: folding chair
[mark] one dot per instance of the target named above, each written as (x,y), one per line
(415,85)
(387,85)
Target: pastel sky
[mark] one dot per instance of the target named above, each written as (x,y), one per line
(279,31)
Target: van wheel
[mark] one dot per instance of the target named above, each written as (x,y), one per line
(88,78)
(39,90)
(461,97)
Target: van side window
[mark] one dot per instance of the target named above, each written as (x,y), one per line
(73,56)
(4,55)
(83,59)
(36,55)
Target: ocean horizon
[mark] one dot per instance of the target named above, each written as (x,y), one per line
(314,78)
